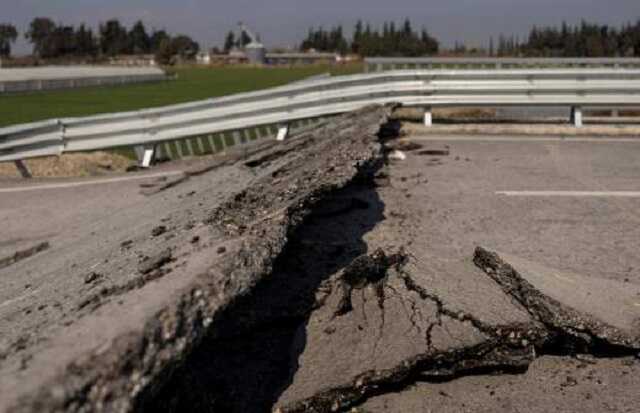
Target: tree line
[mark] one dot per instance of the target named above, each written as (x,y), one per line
(52,40)
(582,40)
(367,41)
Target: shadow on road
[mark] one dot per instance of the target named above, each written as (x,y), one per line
(252,354)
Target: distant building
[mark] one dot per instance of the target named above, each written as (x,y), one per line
(256,53)
(133,60)
(293,58)
(203,58)
(259,56)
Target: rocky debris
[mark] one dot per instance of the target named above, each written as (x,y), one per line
(23,254)
(593,314)
(366,270)
(150,264)
(159,230)
(268,199)
(92,277)
(151,270)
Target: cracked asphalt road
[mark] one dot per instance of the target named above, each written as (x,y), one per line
(317,276)
(581,251)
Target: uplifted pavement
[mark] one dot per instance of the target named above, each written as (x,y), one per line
(99,318)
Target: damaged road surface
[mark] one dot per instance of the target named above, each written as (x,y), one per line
(98,321)
(366,303)
(315,275)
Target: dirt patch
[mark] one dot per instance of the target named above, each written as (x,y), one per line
(71,165)
(406,114)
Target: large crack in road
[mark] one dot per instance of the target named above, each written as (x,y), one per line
(346,315)
(312,287)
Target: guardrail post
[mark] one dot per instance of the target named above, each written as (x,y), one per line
(238,138)
(576,116)
(428,116)
(23,169)
(283,132)
(145,154)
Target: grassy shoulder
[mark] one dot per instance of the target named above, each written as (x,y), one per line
(193,83)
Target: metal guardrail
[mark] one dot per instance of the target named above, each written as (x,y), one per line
(379,64)
(322,97)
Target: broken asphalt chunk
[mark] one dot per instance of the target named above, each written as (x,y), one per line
(155,262)
(595,312)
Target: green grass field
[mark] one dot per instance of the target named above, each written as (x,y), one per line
(193,83)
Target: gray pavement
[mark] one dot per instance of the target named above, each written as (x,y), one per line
(580,250)
(377,299)
(590,235)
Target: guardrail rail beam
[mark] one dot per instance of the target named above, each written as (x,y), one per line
(289,105)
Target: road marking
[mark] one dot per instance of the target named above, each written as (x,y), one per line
(85,183)
(618,194)
(520,139)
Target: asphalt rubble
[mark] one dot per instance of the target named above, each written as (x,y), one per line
(325,298)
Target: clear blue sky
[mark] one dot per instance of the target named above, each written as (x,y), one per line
(284,22)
